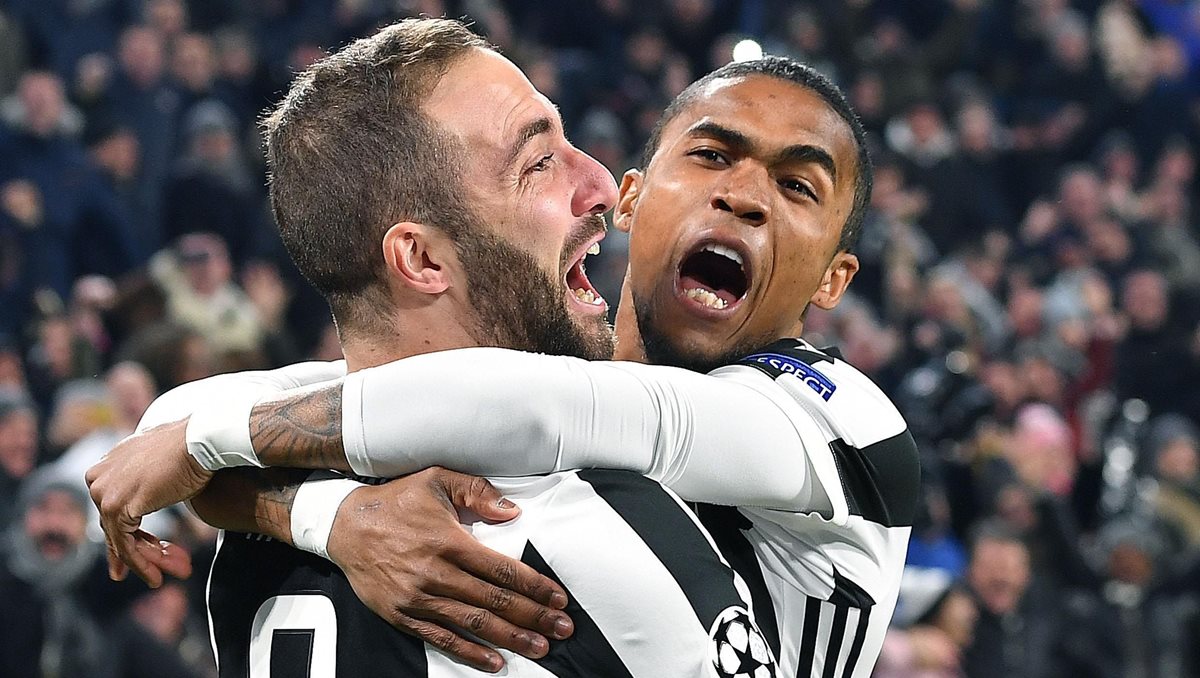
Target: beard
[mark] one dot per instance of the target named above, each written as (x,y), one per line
(662,350)
(518,306)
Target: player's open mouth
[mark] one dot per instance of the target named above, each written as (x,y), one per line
(579,288)
(714,277)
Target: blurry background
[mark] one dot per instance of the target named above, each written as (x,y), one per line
(1030,292)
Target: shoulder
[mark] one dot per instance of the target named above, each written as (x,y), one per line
(876,457)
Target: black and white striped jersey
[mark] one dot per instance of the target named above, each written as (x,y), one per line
(803,470)
(649,594)
(831,576)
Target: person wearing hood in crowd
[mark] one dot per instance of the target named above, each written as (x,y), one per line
(55,593)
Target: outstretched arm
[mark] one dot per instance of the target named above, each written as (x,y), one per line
(730,438)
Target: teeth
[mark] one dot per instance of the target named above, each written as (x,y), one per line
(725,252)
(707,298)
(588,297)
(594,249)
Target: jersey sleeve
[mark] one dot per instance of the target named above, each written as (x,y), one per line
(181,401)
(730,438)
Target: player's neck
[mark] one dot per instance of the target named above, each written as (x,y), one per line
(629,336)
(417,332)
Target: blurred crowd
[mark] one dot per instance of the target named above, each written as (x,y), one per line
(1030,290)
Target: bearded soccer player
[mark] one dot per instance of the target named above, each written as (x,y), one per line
(803,470)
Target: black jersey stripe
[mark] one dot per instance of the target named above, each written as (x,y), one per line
(808,639)
(587,652)
(673,537)
(837,634)
(860,637)
(846,592)
(881,480)
(725,524)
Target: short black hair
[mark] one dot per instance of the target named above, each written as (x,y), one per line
(795,72)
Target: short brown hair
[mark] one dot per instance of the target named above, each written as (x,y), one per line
(351,152)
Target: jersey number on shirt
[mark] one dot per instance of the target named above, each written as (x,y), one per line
(294,636)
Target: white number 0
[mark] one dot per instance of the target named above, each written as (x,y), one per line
(308,612)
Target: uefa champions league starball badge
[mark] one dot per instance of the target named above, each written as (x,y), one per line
(737,648)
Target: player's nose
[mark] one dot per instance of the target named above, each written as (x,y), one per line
(596,190)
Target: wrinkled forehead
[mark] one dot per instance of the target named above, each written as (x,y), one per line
(484,101)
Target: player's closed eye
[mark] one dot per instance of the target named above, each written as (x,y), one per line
(542,164)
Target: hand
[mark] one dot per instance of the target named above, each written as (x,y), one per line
(410,560)
(142,474)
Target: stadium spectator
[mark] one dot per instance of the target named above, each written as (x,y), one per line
(1018,627)
(18,448)
(62,616)
(212,188)
(197,276)
(937,621)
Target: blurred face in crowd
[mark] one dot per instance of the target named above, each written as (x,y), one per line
(163,611)
(141,55)
(132,391)
(1144,300)
(205,262)
(999,574)
(1179,460)
(540,201)
(56,524)
(169,17)
(1130,564)
(120,154)
(957,616)
(12,370)
(976,128)
(925,123)
(1080,194)
(734,227)
(18,442)
(194,62)
(42,99)
(1014,506)
(1176,165)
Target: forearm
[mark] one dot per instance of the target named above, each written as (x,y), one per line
(496,412)
(251,500)
(492,412)
(181,401)
(301,429)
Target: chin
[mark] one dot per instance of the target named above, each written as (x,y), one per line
(701,354)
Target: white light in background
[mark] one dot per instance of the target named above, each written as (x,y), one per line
(747,50)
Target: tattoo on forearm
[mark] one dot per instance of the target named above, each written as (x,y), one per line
(275,493)
(252,500)
(303,431)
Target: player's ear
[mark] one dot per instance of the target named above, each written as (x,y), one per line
(837,278)
(416,257)
(627,197)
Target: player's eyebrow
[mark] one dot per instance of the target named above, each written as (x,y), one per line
(743,145)
(805,154)
(736,141)
(528,132)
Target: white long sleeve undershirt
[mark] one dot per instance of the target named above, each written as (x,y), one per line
(728,438)
(731,437)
